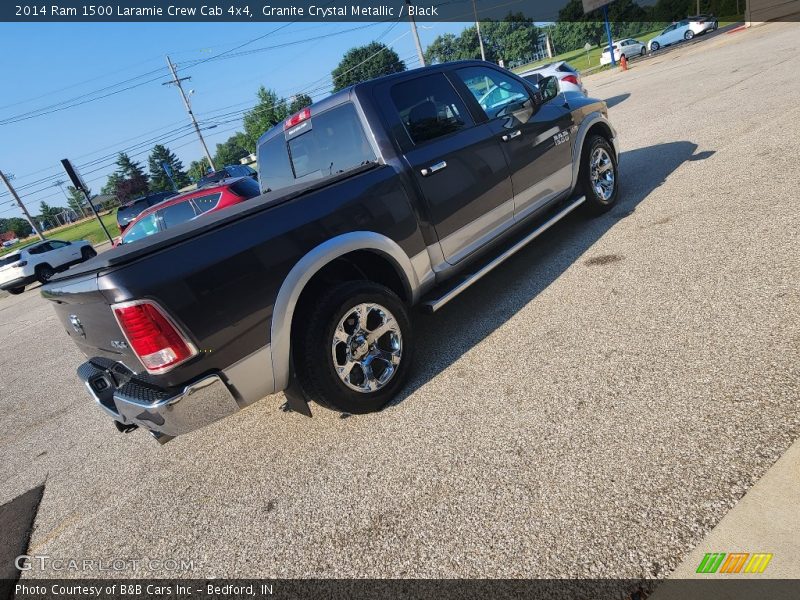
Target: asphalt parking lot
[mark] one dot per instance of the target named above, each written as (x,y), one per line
(592,408)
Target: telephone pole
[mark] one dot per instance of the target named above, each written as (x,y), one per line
(416,36)
(177,81)
(478,27)
(24,210)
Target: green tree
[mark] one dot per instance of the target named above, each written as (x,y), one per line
(270,110)
(20,227)
(230,151)
(132,181)
(159,182)
(299,102)
(110,188)
(513,39)
(364,63)
(198,168)
(76,201)
(49,212)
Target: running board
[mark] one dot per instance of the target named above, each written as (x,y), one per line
(435,304)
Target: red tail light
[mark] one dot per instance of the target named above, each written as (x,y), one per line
(297,118)
(573,79)
(152,335)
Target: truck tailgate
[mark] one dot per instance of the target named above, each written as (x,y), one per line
(86,316)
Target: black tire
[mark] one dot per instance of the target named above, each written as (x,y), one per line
(314,348)
(15,291)
(595,203)
(643,51)
(88,252)
(688,35)
(654,46)
(44,273)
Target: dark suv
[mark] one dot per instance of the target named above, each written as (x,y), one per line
(128,212)
(227,173)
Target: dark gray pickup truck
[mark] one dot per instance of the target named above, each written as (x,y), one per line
(396,192)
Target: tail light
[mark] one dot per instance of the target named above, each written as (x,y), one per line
(573,79)
(152,335)
(297,118)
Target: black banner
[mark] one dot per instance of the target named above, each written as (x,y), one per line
(404,589)
(379,10)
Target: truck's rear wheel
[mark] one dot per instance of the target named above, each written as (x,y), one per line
(598,175)
(353,353)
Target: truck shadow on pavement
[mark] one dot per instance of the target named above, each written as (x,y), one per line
(444,337)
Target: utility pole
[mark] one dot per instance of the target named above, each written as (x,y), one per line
(416,36)
(24,210)
(478,27)
(177,81)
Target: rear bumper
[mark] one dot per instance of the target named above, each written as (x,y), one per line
(18,282)
(165,413)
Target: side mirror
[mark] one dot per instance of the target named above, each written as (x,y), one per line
(548,89)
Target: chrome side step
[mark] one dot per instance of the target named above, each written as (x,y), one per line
(435,304)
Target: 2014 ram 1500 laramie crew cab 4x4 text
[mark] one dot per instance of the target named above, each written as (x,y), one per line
(395,192)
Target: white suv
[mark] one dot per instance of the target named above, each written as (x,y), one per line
(40,261)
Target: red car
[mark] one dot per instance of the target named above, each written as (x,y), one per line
(188,206)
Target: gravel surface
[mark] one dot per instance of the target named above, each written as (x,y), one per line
(592,408)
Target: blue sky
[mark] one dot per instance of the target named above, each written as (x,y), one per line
(48,63)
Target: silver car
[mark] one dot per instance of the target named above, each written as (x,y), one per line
(569,79)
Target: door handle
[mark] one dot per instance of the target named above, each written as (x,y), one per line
(510,136)
(433,168)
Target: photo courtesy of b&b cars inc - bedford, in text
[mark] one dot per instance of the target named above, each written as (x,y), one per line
(402,299)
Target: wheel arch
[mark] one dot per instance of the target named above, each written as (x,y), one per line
(595,123)
(343,247)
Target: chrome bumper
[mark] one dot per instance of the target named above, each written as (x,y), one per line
(165,414)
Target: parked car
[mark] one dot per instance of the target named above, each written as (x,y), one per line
(40,261)
(188,206)
(227,173)
(129,211)
(707,23)
(628,48)
(395,192)
(10,242)
(569,79)
(678,32)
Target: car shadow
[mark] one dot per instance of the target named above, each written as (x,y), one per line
(614,100)
(444,337)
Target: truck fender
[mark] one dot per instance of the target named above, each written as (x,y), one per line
(306,268)
(580,137)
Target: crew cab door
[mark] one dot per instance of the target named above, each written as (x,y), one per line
(535,138)
(458,164)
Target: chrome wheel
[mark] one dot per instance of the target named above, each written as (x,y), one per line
(601,174)
(367,347)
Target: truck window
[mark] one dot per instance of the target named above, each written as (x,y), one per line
(492,89)
(335,143)
(429,107)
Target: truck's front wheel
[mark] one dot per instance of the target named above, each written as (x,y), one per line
(598,176)
(353,352)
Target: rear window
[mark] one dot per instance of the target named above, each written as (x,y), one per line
(128,213)
(7,260)
(212,177)
(334,143)
(246,188)
(567,68)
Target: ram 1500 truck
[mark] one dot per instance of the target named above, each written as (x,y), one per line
(395,192)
